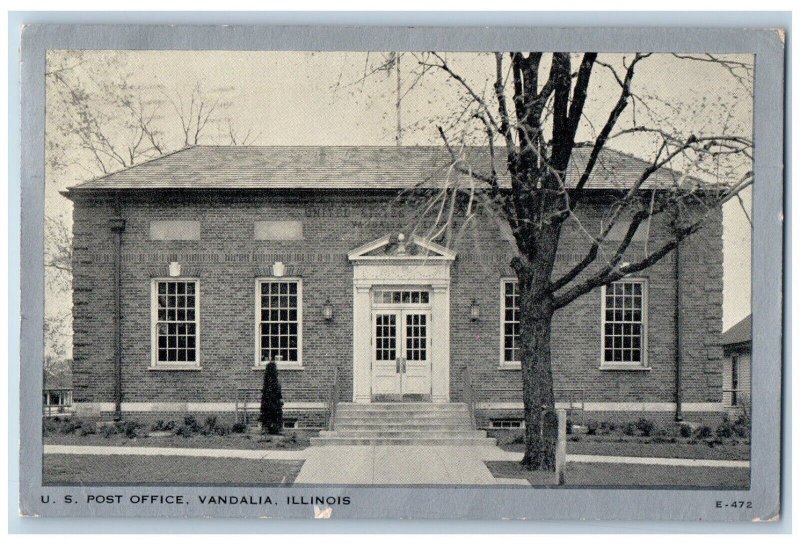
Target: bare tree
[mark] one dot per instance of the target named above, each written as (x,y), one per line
(99,122)
(532,118)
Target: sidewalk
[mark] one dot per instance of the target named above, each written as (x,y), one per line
(177,451)
(388,464)
(393,464)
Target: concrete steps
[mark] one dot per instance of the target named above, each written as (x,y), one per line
(385,434)
(449,441)
(402,424)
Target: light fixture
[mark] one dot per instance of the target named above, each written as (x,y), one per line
(474,311)
(327,310)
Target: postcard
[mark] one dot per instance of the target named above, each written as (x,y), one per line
(518,273)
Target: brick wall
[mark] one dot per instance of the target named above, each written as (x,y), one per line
(227,260)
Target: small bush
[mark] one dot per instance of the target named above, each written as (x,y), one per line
(645,426)
(271,409)
(184,431)
(88,427)
(64,425)
(703,432)
(629,428)
(222,430)
(607,427)
(239,427)
(107,430)
(50,426)
(163,426)
(130,429)
(661,433)
(190,422)
(743,422)
(210,425)
(685,431)
(741,426)
(725,429)
(592,427)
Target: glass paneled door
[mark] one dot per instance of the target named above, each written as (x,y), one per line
(401,354)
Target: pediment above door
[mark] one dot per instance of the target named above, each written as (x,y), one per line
(399,247)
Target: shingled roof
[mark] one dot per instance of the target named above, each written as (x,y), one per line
(740,333)
(345,167)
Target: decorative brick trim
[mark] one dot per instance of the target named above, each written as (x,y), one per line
(186,407)
(187,271)
(265,271)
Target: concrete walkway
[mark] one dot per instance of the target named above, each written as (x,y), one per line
(685,462)
(396,464)
(388,464)
(177,451)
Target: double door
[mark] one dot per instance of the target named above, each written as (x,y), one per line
(401,353)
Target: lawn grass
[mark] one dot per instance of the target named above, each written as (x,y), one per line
(290,440)
(69,469)
(644,447)
(631,476)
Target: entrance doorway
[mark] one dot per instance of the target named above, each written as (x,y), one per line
(401,344)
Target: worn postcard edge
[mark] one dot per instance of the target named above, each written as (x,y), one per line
(432,502)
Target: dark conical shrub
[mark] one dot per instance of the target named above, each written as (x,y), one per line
(271,401)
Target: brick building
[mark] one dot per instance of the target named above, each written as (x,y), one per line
(190,270)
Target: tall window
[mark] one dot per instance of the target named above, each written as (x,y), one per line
(510,322)
(624,331)
(279,320)
(176,322)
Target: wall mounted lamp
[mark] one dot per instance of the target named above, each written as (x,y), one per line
(327,310)
(474,311)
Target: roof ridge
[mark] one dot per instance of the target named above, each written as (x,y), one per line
(211,165)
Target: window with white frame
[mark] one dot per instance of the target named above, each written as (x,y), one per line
(176,322)
(510,322)
(624,326)
(279,320)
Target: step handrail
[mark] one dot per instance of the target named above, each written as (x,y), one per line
(469,397)
(333,398)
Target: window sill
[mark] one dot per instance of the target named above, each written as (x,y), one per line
(623,367)
(510,366)
(281,367)
(165,367)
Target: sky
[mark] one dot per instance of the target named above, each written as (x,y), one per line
(323,98)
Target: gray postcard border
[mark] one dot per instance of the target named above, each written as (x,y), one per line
(433,502)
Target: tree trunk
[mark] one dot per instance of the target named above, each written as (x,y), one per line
(541,422)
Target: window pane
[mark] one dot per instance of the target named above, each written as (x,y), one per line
(510,321)
(176,327)
(279,319)
(390,296)
(623,327)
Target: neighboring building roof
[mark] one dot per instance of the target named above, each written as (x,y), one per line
(346,167)
(741,333)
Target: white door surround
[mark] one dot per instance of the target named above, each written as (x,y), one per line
(393,261)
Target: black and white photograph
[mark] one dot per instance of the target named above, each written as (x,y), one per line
(338,270)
